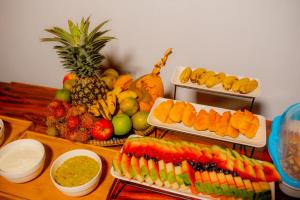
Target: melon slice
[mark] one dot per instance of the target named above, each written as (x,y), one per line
(116,163)
(135,170)
(125,166)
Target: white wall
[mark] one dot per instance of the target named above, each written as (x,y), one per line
(259,38)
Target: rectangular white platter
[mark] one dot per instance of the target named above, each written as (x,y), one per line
(259,140)
(216,89)
(178,192)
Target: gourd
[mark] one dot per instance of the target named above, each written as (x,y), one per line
(150,86)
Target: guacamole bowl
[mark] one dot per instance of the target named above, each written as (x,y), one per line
(77,172)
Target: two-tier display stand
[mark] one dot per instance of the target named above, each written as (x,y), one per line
(215,90)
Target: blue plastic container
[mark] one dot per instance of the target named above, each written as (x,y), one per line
(283,146)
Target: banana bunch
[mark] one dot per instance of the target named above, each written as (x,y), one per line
(126,94)
(100,108)
(210,79)
(185,75)
(111,99)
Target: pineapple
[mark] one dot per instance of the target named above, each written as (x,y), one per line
(80,53)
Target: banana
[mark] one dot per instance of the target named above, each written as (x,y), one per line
(94,109)
(212,81)
(228,81)
(111,101)
(239,85)
(196,74)
(185,75)
(103,109)
(126,94)
(249,87)
(205,76)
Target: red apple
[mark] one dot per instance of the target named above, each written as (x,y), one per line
(69,76)
(102,129)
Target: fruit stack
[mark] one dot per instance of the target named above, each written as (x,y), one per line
(110,102)
(191,168)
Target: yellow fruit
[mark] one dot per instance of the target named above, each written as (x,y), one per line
(126,94)
(185,75)
(129,106)
(176,112)
(189,115)
(249,87)
(228,81)
(123,81)
(161,112)
(211,81)
(205,76)
(196,74)
(150,86)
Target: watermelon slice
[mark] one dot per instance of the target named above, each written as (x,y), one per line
(270,172)
(218,154)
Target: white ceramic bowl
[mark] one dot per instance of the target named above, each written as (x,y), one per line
(22,160)
(2,130)
(81,190)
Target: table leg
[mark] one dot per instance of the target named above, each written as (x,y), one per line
(175,87)
(234,146)
(115,195)
(252,152)
(252,104)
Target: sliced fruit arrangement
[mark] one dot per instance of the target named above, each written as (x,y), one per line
(225,124)
(191,168)
(210,79)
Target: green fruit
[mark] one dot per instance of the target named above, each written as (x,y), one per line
(139,121)
(68,84)
(129,106)
(122,124)
(52,131)
(63,95)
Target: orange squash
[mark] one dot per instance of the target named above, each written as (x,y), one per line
(150,86)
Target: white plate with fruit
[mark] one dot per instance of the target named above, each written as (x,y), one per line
(241,127)
(177,79)
(214,173)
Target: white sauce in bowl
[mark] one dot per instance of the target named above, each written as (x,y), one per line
(20,158)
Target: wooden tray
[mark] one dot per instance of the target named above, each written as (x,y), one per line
(42,187)
(14,128)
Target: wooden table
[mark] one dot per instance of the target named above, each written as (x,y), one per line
(30,102)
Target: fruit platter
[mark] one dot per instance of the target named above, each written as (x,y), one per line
(241,127)
(97,104)
(218,82)
(188,169)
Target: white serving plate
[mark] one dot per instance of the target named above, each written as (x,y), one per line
(259,140)
(179,192)
(216,89)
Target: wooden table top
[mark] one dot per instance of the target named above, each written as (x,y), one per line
(29,102)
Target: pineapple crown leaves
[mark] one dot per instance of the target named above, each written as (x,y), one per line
(79,49)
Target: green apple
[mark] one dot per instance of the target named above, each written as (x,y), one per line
(63,95)
(122,124)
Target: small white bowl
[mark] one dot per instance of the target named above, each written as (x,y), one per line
(81,190)
(22,160)
(2,130)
